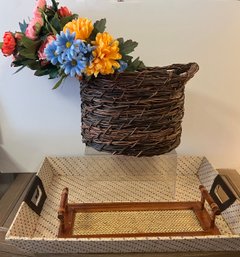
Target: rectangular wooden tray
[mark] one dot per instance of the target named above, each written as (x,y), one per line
(137,219)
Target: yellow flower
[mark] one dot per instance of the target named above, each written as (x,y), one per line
(81,26)
(104,56)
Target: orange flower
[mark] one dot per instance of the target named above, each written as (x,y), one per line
(9,44)
(105,55)
(81,26)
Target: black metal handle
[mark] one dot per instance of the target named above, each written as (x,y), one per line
(36,196)
(219,185)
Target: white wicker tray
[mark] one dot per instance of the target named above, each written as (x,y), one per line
(96,179)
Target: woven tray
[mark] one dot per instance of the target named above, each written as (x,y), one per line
(108,179)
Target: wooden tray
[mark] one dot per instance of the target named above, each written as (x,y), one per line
(137,219)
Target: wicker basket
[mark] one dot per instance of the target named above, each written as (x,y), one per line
(135,113)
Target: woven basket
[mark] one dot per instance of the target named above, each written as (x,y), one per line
(135,113)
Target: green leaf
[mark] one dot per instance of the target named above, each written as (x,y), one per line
(65,20)
(33,65)
(23,61)
(53,73)
(48,28)
(98,27)
(135,65)
(41,72)
(1,43)
(27,53)
(37,27)
(19,69)
(23,26)
(48,25)
(141,65)
(121,41)
(55,22)
(127,47)
(59,82)
(55,5)
(17,63)
(127,58)
(30,44)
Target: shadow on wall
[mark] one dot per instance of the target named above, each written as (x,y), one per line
(7,163)
(211,127)
(1,139)
(216,116)
(69,89)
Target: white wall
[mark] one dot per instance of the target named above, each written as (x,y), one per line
(37,121)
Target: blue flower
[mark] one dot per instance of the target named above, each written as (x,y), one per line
(73,67)
(73,55)
(66,44)
(51,53)
(123,66)
(83,52)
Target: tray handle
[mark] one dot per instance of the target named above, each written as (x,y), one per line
(205,196)
(63,208)
(36,196)
(226,183)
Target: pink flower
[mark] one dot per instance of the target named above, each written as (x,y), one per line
(18,35)
(34,27)
(37,21)
(40,5)
(41,54)
(64,12)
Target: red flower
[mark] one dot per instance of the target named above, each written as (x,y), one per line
(64,12)
(9,44)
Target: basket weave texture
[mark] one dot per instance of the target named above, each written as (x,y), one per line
(127,222)
(135,113)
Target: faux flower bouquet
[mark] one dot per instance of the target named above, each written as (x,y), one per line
(58,43)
